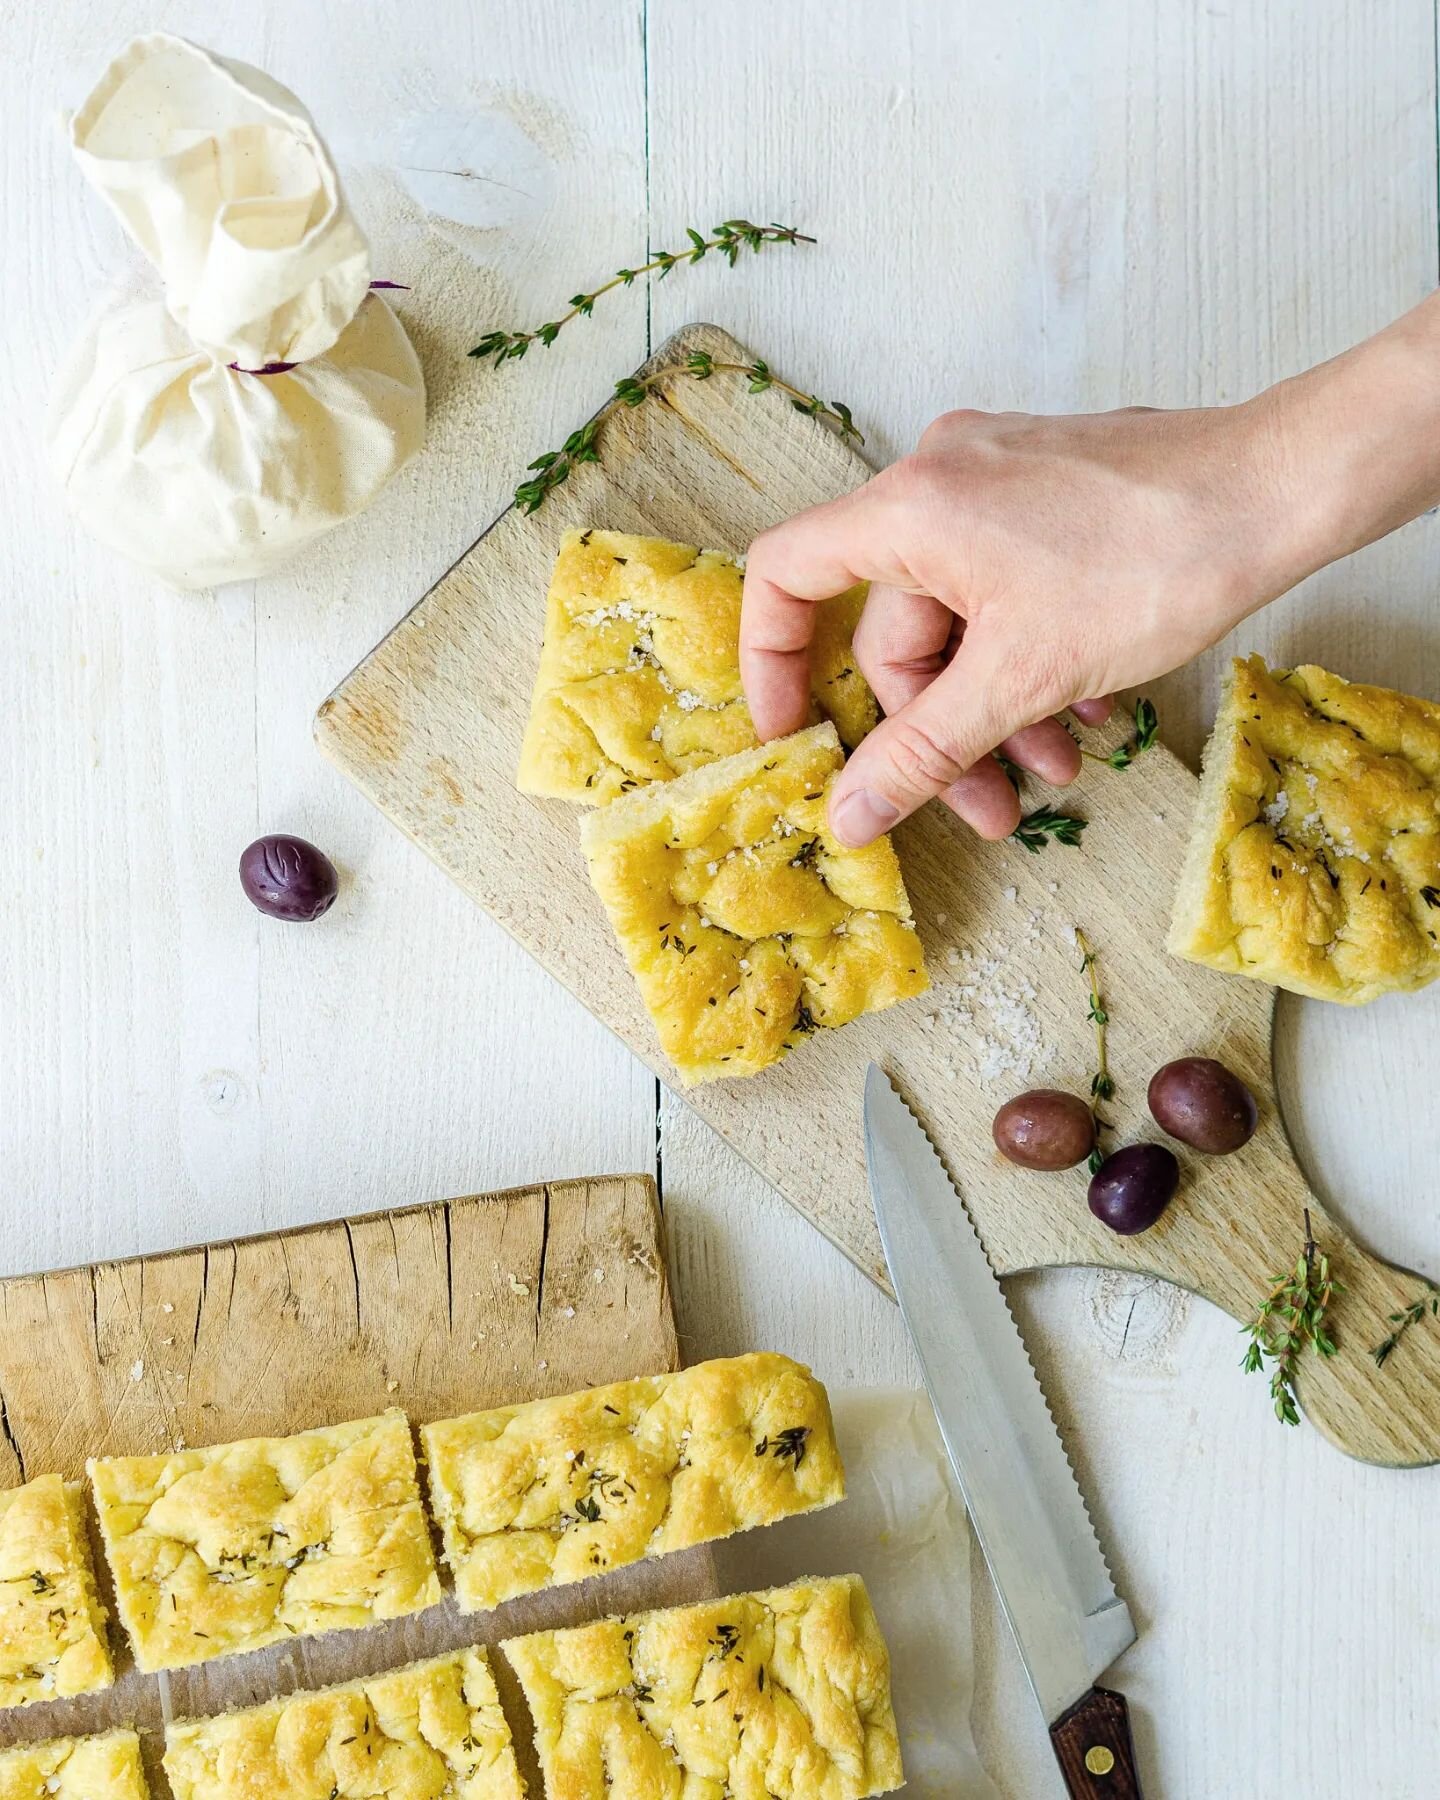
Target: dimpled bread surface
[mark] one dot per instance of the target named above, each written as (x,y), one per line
(52,1625)
(639,675)
(553,1491)
(1314,859)
(246,1544)
(785,1694)
(745,923)
(84,1768)
(432,1731)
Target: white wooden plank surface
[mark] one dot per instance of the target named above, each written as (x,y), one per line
(1038,206)
(1167,204)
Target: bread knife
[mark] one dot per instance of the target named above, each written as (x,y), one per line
(1027,1510)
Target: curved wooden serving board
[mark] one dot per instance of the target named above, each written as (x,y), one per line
(430,725)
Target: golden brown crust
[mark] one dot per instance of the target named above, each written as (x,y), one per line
(557,1490)
(430,1730)
(247,1544)
(86,1768)
(746,924)
(640,670)
(785,1693)
(1314,861)
(52,1625)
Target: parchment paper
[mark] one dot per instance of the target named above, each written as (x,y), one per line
(903,1527)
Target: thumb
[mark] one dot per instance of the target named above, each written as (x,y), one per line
(927,745)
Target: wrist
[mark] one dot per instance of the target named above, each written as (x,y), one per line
(1350,450)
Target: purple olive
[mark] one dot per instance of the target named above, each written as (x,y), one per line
(287,878)
(1045,1128)
(1200,1102)
(1130,1189)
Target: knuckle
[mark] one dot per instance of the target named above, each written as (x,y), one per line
(919,759)
(958,423)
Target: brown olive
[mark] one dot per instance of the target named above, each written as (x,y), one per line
(1199,1101)
(1045,1128)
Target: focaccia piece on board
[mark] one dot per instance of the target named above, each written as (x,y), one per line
(247,1544)
(52,1625)
(785,1693)
(746,924)
(552,1491)
(1314,859)
(640,669)
(431,1731)
(107,1767)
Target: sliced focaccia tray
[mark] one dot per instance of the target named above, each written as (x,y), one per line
(482,1302)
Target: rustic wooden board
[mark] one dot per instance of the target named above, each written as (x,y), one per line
(439,1309)
(430,726)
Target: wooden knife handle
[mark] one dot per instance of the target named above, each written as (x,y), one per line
(1093,1748)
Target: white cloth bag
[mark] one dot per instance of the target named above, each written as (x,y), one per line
(170,448)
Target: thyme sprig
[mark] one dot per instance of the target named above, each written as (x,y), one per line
(1292,1315)
(1429,1302)
(1147,727)
(1102,1082)
(1045,823)
(729,238)
(556,466)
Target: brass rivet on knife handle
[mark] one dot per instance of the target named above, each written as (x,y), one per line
(1093,1747)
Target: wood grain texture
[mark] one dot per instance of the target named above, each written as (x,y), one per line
(429,726)
(1094,1748)
(1147,201)
(442,1309)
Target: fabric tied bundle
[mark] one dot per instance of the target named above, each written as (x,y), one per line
(270,394)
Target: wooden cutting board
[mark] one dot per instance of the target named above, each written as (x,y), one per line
(439,1309)
(430,724)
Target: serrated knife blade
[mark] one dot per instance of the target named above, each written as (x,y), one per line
(1023,1499)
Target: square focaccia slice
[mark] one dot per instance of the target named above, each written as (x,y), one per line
(784,1693)
(746,924)
(247,1544)
(432,1731)
(640,668)
(107,1767)
(554,1491)
(52,1625)
(1314,859)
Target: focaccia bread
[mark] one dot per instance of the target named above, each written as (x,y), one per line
(556,1490)
(246,1544)
(83,1768)
(785,1694)
(1314,859)
(52,1625)
(432,1730)
(746,924)
(640,669)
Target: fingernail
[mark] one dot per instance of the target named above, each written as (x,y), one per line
(858,819)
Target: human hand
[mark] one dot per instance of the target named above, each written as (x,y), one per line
(1019,566)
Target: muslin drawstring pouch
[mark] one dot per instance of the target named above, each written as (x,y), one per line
(267,393)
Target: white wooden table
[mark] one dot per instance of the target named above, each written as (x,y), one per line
(1040,206)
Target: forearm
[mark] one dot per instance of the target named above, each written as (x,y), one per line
(1355,443)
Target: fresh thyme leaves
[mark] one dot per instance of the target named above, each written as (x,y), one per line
(785,1445)
(1102,1083)
(729,238)
(1011,771)
(588,1508)
(555,466)
(1036,829)
(1292,1315)
(1147,727)
(1429,1302)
